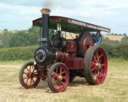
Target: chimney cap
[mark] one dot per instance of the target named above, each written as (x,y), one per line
(45,11)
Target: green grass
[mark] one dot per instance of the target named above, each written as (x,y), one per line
(15,62)
(115,88)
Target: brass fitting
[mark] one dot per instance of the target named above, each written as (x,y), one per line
(45,11)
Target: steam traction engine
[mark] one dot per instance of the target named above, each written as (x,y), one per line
(62,56)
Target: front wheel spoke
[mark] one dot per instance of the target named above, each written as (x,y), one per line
(29,82)
(25,72)
(28,68)
(100,56)
(63,72)
(33,81)
(97,54)
(25,78)
(55,76)
(33,69)
(57,82)
(61,83)
(64,77)
(60,69)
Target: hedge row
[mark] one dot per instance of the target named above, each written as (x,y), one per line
(17,53)
(26,53)
(120,51)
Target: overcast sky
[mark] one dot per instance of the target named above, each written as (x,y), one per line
(18,14)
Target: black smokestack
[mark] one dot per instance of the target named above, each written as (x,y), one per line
(45,32)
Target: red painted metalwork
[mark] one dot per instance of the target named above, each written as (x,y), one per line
(85,42)
(72,62)
(71,47)
(60,78)
(99,66)
(69,56)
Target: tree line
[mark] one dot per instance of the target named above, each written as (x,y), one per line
(30,37)
(19,38)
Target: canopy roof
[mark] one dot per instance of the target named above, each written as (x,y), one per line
(71,25)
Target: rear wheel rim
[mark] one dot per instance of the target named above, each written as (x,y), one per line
(60,78)
(99,66)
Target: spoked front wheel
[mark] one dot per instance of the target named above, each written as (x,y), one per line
(58,77)
(29,75)
(96,66)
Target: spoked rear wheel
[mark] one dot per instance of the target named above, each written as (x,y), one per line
(58,77)
(96,66)
(29,75)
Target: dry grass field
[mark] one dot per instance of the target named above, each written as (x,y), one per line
(115,37)
(115,88)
